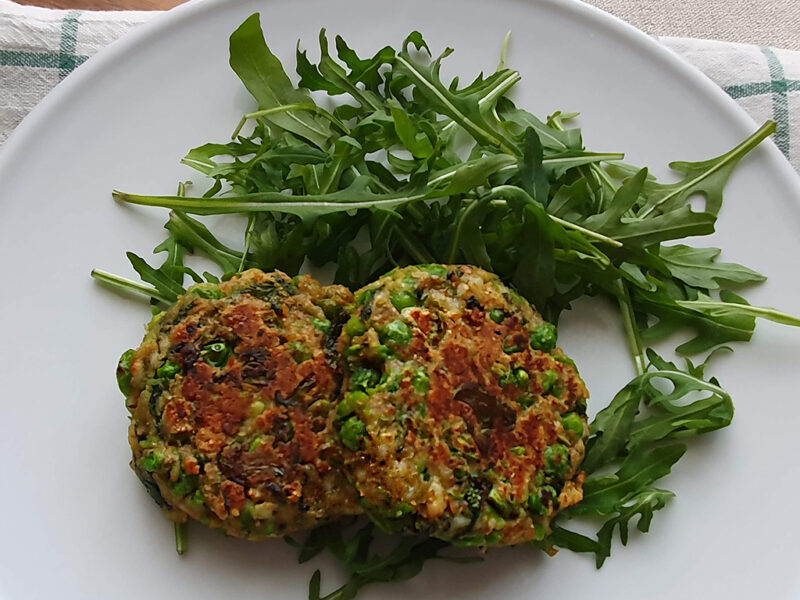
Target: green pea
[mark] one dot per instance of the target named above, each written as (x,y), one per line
(435,270)
(322,325)
(521,378)
(391,381)
(526,401)
(354,349)
(396,332)
(152,461)
(124,371)
(421,381)
(364,378)
(209,291)
(498,315)
(550,381)
(509,346)
(519,450)
(518,377)
(539,502)
(365,296)
(573,425)
(256,444)
(185,485)
(378,353)
(352,433)
(501,504)
(383,352)
(403,299)
(350,402)
(355,327)
(216,354)
(168,370)
(556,459)
(544,337)
(299,351)
(256,408)
(198,498)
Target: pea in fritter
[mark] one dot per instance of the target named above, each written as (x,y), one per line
(460,418)
(230,396)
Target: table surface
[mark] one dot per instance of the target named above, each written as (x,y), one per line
(766,22)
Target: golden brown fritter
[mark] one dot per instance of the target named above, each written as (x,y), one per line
(230,395)
(460,418)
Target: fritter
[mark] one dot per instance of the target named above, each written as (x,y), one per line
(230,396)
(460,417)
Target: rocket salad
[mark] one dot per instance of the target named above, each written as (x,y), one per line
(406,168)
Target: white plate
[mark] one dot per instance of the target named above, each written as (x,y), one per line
(76,523)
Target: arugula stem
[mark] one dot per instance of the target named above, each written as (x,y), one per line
(251,222)
(306,106)
(631,329)
(127,284)
(770,314)
(587,232)
(496,92)
(181,537)
(415,248)
(414,213)
(568,225)
(504,51)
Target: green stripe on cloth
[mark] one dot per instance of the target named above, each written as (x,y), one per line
(16,58)
(68,60)
(745,90)
(780,101)
(65,60)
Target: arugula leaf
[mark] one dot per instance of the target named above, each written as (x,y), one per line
(173,265)
(262,74)
(531,170)
(412,138)
(624,200)
(707,178)
(535,273)
(404,561)
(602,494)
(733,306)
(670,418)
(713,327)
(354,197)
(164,284)
(335,73)
(612,427)
(699,267)
(192,234)
(643,504)
(615,431)
(463,109)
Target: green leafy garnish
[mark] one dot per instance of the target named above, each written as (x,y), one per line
(354,551)
(410,169)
